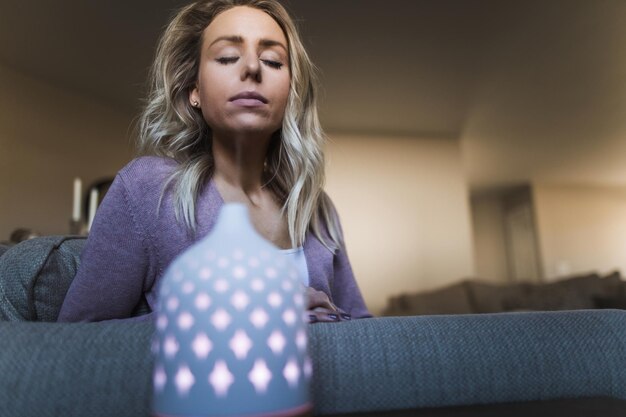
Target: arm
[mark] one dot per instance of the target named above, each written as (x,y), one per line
(346,293)
(114,264)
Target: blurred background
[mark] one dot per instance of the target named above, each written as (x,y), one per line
(479,139)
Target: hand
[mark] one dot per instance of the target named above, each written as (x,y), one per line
(320,309)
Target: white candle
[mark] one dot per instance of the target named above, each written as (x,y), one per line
(76,201)
(93,205)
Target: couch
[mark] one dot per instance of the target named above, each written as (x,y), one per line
(474,296)
(467,364)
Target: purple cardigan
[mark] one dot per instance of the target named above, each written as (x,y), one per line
(130,246)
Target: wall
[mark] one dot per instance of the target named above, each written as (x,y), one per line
(48,136)
(405,211)
(580,228)
(489,238)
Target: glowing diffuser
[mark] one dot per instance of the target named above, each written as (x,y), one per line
(230,334)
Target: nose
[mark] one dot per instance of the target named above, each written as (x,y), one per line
(251,67)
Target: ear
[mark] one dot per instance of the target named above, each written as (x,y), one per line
(194,97)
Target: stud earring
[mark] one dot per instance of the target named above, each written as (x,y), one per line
(195,103)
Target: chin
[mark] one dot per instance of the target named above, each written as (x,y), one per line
(254,127)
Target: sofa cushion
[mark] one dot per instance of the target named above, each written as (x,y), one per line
(35,276)
(487,297)
(452,299)
(577,292)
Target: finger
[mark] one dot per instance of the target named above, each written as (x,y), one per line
(318,299)
(322,315)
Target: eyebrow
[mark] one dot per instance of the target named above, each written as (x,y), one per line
(267,43)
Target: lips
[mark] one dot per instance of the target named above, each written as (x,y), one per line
(248,98)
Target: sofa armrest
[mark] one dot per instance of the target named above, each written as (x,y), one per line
(435,361)
(104,369)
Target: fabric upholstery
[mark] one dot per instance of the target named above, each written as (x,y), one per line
(487,297)
(103,369)
(449,300)
(35,276)
(567,294)
(434,361)
(82,370)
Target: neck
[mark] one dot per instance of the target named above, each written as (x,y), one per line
(239,161)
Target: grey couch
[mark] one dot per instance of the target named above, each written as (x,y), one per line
(473,296)
(365,366)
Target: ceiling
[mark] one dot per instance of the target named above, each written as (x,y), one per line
(534,90)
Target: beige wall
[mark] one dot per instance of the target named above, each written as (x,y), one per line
(581,228)
(48,136)
(489,238)
(405,211)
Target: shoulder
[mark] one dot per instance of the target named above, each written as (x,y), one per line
(146,168)
(146,173)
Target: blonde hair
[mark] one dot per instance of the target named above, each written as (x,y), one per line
(170,127)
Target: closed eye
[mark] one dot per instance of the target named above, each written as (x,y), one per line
(272,64)
(227,60)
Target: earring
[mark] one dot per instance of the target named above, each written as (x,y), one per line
(195,103)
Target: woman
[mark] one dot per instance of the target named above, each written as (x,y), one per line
(231,117)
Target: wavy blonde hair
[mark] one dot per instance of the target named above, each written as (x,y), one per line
(170,127)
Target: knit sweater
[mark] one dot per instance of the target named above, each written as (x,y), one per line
(133,240)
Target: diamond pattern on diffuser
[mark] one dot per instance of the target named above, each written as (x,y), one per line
(161,322)
(160,378)
(202,301)
(276,342)
(223,262)
(221,378)
(271,273)
(257,285)
(240,300)
(185,320)
(301,340)
(172,303)
(184,380)
(292,372)
(298,300)
(308,368)
(178,275)
(287,286)
(260,376)
(170,346)
(259,318)
(274,299)
(290,317)
(220,319)
(205,274)
(239,272)
(188,287)
(221,285)
(240,344)
(201,346)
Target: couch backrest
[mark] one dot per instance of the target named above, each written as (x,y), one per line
(35,276)
(3,248)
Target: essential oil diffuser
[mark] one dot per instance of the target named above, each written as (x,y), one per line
(230,332)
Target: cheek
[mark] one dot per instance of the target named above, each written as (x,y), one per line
(283,92)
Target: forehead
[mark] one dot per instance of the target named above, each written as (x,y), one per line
(250,23)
